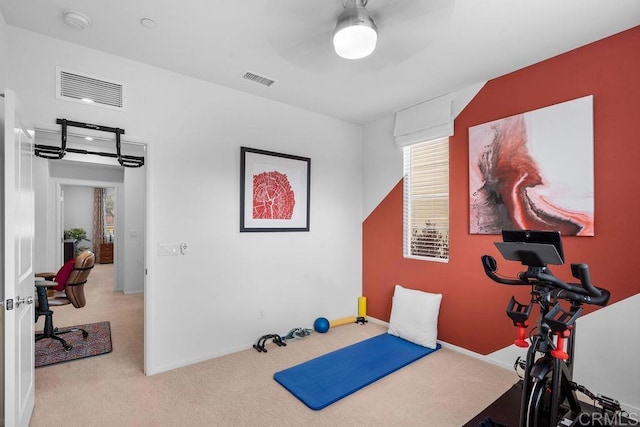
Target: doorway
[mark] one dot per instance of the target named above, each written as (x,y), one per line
(61,185)
(88,221)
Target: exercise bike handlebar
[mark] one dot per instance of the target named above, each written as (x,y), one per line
(583,293)
(491,266)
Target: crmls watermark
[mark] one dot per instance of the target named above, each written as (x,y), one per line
(606,419)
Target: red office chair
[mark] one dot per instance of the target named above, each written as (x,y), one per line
(69,292)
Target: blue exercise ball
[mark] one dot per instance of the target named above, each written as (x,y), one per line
(321,325)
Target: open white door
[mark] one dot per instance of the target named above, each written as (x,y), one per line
(17,258)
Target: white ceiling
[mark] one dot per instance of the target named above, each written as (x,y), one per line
(426,47)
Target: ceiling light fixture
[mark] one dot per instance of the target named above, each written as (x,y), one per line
(356,34)
(76,19)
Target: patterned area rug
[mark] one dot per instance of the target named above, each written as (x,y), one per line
(98,342)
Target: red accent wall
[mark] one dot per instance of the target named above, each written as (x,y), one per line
(472,314)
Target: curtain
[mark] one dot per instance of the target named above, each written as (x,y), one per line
(432,119)
(98,220)
(427,121)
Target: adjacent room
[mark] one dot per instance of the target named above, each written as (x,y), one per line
(233,219)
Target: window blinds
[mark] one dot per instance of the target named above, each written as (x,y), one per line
(426,200)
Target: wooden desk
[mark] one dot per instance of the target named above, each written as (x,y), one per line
(106,253)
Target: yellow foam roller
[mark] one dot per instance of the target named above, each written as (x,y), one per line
(362,307)
(342,321)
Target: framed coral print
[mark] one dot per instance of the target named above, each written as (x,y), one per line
(274,191)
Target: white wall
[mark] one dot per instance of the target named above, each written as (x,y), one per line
(78,211)
(382,168)
(4,53)
(606,352)
(133,231)
(44,248)
(208,302)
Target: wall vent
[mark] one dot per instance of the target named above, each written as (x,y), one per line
(90,90)
(261,80)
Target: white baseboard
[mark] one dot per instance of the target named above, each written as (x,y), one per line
(456,348)
(475,355)
(187,362)
(378,321)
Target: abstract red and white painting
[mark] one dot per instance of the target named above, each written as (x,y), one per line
(534,171)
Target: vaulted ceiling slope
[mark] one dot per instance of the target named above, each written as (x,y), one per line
(425,47)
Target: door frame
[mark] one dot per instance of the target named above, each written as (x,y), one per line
(146,244)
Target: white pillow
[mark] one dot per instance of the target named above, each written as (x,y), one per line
(414,316)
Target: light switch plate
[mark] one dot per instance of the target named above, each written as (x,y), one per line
(166,249)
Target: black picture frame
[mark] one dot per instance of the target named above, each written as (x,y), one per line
(274,191)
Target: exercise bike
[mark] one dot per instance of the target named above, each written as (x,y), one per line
(548,391)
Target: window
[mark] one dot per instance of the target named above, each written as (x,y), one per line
(109,214)
(426,200)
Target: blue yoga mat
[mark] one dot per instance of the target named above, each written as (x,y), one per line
(326,379)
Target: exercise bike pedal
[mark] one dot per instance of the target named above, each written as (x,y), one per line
(520,363)
(608,403)
(559,320)
(519,313)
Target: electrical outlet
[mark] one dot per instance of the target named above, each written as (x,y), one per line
(261,314)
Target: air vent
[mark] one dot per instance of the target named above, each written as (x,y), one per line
(261,80)
(92,90)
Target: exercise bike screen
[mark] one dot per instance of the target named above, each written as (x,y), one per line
(535,236)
